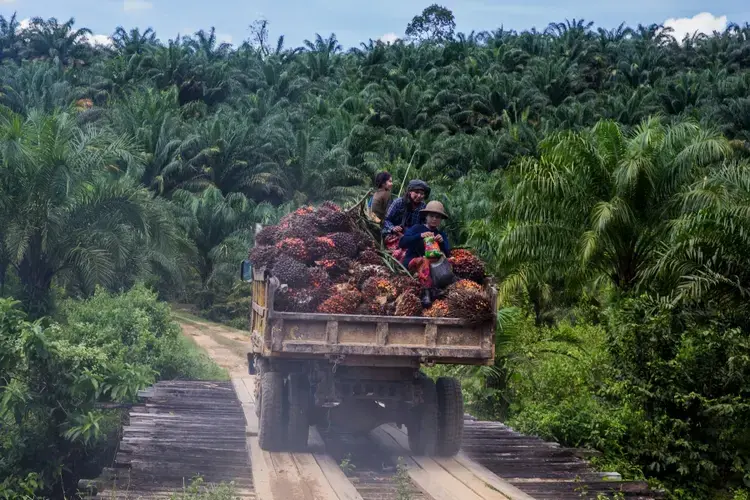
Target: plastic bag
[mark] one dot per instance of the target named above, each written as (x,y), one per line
(432,248)
(442,273)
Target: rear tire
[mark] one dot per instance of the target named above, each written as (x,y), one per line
(450,404)
(423,424)
(272,431)
(298,427)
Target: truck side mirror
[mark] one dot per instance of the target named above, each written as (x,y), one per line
(246,271)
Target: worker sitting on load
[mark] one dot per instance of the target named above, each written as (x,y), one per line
(403,214)
(427,249)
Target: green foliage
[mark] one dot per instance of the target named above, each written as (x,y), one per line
(402,481)
(689,374)
(436,24)
(198,490)
(54,377)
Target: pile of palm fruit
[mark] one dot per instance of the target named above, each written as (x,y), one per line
(331,263)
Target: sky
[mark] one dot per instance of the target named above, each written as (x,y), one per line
(356,21)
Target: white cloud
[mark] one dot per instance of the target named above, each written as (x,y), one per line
(223,38)
(389,38)
(23,24)
(99,40)
(136,5)
(7,1)
(705,22)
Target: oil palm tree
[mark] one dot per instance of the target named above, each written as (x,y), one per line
(595,205)
(68,214)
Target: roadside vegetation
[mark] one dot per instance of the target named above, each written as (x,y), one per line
(602,173)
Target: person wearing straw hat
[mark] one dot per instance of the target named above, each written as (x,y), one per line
(413,241)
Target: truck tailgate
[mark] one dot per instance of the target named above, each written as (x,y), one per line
(442,340)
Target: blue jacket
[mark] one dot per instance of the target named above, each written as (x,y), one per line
(398,215)
(414,244)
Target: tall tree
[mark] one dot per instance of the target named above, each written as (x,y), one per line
(436,24)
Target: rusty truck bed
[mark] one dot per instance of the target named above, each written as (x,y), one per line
(371,340)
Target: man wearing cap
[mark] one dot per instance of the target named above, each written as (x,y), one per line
(413,241)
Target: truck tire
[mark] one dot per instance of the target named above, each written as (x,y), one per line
(423,424)
(450,404)
(298,414)
(272,427)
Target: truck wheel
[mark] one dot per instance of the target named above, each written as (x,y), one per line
(423,424)
(450,404)
(272,431)
(298,426)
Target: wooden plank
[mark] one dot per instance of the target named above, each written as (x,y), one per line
(464,475)
(492,479)
(286,481)
(336,477)
(249,383)
(459,489)
(312,476)
(242,393)
(260,469)
(481,474)
(429,479)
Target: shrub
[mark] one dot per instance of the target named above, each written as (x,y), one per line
(54,375)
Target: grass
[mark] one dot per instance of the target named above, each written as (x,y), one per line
(205,366)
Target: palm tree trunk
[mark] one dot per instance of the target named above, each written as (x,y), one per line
(36,284)
(3,273)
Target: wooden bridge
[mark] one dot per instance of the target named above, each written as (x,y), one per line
(184,429)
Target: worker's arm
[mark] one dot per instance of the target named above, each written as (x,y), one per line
(412,236)
(394,215)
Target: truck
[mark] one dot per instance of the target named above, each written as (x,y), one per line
(356,372)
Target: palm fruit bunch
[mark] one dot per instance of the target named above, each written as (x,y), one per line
(364,241)
(466,265)
(319,278)
(320,247)
(361,273)
(293,247)
(465,284)
(330,219)
(379,287)
(473,305)
(438,309)
(300,299)
(408,304)
(269,235)
(335,267)
(343,301)
(406,284)
(369,257)
(372,309)
(291,271)
(296,227)
(344,244)
(263,256)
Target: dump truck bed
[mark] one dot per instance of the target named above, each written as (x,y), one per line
(364,339)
